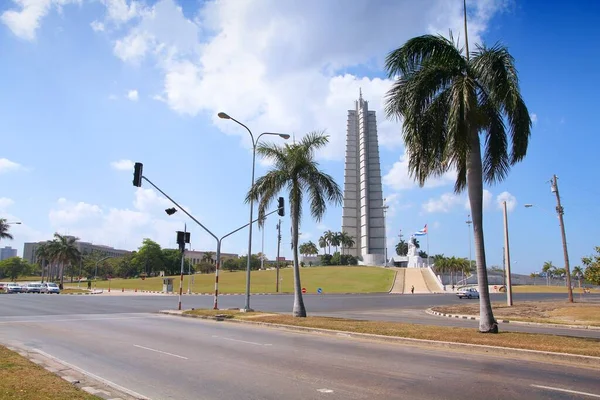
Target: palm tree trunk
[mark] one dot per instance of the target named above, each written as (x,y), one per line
(299,310)
(487,323)
(42,271)
(61,274)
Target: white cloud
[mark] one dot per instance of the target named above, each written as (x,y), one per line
(445,203)
(97,26)
(25,19)
(534,118)
(118,11)
(5,202)
(122,165)
(398,177)
(124,228)
(511,201)
(133,95)
(230,59)
(6,165)
(394,203)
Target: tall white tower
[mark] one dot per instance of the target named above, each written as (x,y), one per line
(362,213)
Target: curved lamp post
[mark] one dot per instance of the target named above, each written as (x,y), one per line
(223,115)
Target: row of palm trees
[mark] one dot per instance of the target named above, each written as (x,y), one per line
(56,255)
(552,271)
(452,266)
(335,239)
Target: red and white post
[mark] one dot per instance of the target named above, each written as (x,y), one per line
(217,267)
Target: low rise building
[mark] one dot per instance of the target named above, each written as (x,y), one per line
(196,257)
(29,250)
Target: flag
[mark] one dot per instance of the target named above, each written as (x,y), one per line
(422,231)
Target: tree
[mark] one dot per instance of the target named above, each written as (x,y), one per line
(14,267)
(41,256)
(149,257)
(592,267)
(63,251)
(402,248)
(323,243)
(415,242)
(578,273)
(4,228)
(296,171)
(303,249)
(208,257)
(422,254)
(448,100)
(548,270)
(329,237)
(336,240)
(346,241)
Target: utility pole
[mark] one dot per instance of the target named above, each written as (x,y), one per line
(508,285)
(560,211)
(277,266)
(385,208)
(181,241)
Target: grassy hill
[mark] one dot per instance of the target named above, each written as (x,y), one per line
(330,279)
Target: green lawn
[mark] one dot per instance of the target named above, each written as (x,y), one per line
(330,279)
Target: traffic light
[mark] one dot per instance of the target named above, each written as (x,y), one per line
(137,174)
(182,239)
(280,207)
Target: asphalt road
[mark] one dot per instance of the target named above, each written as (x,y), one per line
(164,357)
(401,308)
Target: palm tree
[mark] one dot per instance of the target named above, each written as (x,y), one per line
(346,241)
(416,243)
(41,256)
(336,240)
(207,257)
(329,237)
(323,243)
(448,100)
(548,268)
(296,171)
(4,228)
(402,248)
(578,273)
(62,250)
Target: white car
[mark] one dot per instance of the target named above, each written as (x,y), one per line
(469,293)
(32,287)
(50,287)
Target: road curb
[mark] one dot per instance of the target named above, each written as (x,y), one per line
(506,321)
(579,360)
(76,376)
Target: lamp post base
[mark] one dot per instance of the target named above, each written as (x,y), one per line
(246,310)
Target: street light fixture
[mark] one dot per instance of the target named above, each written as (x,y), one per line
(223,115)
(14,223)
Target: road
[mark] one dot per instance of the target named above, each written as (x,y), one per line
(165,357)
(401,308)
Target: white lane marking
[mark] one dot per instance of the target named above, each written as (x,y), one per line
(242,341)
(45,321)
(567,391)
(325,390)
(160,351)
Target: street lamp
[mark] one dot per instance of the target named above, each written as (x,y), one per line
(14,223)
(385,208)
(223,115)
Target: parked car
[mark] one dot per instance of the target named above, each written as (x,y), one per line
(13,288)
(469,293)
(50,287)
(32,287)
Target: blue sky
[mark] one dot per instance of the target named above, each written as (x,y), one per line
(89,86)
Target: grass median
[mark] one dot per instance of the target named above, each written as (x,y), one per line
(550,312)
(547,289)
(553,343)
(20,379)
(329,279)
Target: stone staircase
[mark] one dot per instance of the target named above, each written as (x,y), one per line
(414,277)
(398,287)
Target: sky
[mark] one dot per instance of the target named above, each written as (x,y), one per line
(91,86)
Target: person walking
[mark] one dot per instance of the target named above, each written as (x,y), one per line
(412,289)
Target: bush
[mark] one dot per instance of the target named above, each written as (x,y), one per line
(231,265)
(336,259)
(348,259)
(205,268)
(326,259)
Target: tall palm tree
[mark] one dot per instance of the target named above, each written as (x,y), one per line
(63,251)
(41,256)
(208,257)
(450,102)
(336,240)
(548,269)
(402,248)
(296,171)
(323,243)
(329,236)
(4,228)
(578,273)
(346,241)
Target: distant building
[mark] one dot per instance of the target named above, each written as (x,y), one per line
(196,257)
(7,252)
(84,247)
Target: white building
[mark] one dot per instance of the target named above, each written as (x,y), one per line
(362,213)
